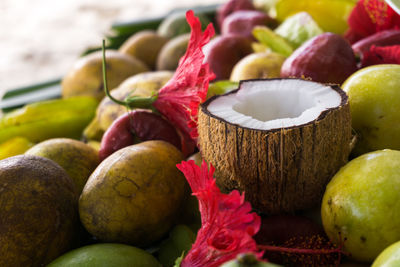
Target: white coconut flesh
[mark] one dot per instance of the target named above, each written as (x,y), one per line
(271,104)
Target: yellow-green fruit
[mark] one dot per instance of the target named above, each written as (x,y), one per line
(390,257)
(106,255)
(144,45)
(374,98)
(86,77)
(143,84)
(38,214)
(14,146)
(93,131)
(134,195)
(77,158)
(258,66)
(361,205)
(43,120)
(171,53)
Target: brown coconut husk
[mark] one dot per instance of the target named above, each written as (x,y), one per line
(281,170)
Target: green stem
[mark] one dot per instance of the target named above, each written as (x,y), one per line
(103,49)
(130,102)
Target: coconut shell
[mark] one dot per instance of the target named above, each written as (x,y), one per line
(281,170)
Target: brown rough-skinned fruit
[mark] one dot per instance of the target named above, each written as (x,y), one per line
(86,76)
(144,45)
(38,211)
(134,195)
(223,52)
(283,168)
(76,157)
(326,58)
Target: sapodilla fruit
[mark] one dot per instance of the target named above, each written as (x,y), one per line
(326,58)
(279,140)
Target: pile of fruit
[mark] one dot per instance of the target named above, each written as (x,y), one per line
(274,143)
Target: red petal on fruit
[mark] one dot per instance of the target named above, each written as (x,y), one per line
(369,17)
(180,98)
(381,55)
(228,226)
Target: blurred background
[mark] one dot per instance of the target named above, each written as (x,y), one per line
(41,39)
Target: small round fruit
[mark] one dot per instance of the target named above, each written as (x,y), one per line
(171,53)
(134,195)
(361,204)
(144,45)
(224,51)
(106,255)
(257,66)
(86,78)
(76,157)
(390,257)
(38,214)
(374,98)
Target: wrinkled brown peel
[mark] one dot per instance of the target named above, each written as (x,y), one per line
(281,170)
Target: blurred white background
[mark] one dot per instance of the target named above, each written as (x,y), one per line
(41,39)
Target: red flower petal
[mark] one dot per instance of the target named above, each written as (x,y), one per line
(180,98)
(369,17)
(228,226)
(381,55)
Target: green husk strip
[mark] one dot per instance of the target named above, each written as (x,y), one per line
(269,38)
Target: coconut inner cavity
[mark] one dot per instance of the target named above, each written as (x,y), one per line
(271,104)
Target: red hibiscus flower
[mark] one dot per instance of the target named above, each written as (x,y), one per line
(180,98)
(228,226)
(369,17)
(381,55)
(178,101)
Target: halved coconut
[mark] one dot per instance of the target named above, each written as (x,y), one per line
(279,140)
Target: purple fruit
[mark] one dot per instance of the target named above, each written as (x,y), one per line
(383,38)
(223,52)
(242,22)
(326,58)
(232,6)
(142,124)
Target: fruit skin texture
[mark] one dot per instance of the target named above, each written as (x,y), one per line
(390,257)
(374,98)
(242,22)
(85,77)
(106,255)
(361,204)
(171,52)
(38,211)
(223,52)
(145,46)
(258,65)
(326,58)
(77,158)
(134,195)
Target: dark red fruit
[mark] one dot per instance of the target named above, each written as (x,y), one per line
(326,58)
(223,52)
(242,22)
(141,124)
(232,6)
(383,38)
